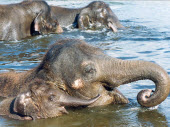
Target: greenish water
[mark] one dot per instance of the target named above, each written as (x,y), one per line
(147,37)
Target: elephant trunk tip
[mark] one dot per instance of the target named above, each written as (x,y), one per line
(143,96)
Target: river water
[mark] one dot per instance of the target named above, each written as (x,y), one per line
(146,37)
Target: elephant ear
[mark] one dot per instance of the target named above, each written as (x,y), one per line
(84,18)
(37,22)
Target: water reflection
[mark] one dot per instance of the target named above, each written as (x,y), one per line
(152,118)
(106,116)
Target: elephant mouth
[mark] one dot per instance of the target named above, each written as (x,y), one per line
(25,117)
(111,95)
(28,118)
(31,117)
(115,94)
(108,91)
(108,86)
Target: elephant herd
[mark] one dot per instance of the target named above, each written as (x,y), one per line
(30,18)
(72,72)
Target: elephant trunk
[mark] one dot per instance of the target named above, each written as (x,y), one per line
(68,100)
(117,72)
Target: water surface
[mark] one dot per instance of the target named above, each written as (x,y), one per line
(146,37)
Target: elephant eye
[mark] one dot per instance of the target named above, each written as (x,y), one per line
(89,69)
(51,97)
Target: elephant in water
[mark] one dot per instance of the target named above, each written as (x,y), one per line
(26,19)
(94,16)
(84,71)
(42,100)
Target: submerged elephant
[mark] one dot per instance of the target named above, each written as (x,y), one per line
(25,19)
(94,16)
(42,100)
(84,71)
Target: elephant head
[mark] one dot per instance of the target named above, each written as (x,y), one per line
(97,15)
(44,24)
(45,100)
(85,71)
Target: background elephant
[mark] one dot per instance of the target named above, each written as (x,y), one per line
(25,19)
(42,100)
(94,16)
(84,71)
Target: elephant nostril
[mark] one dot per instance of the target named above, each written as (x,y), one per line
(144,95)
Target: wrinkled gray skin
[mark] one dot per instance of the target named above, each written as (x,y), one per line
(26,19)
(84,71)
(42,100)
(94,16)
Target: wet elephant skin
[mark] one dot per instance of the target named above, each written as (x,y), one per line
(42,100)
(84,71)
(94,16)
(25,19)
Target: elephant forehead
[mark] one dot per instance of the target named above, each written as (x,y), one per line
(84,63)
(21,103)
(73,57)
(24,98)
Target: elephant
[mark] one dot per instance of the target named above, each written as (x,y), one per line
(84,71)
(93,16)
(42,100)
(25,19)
